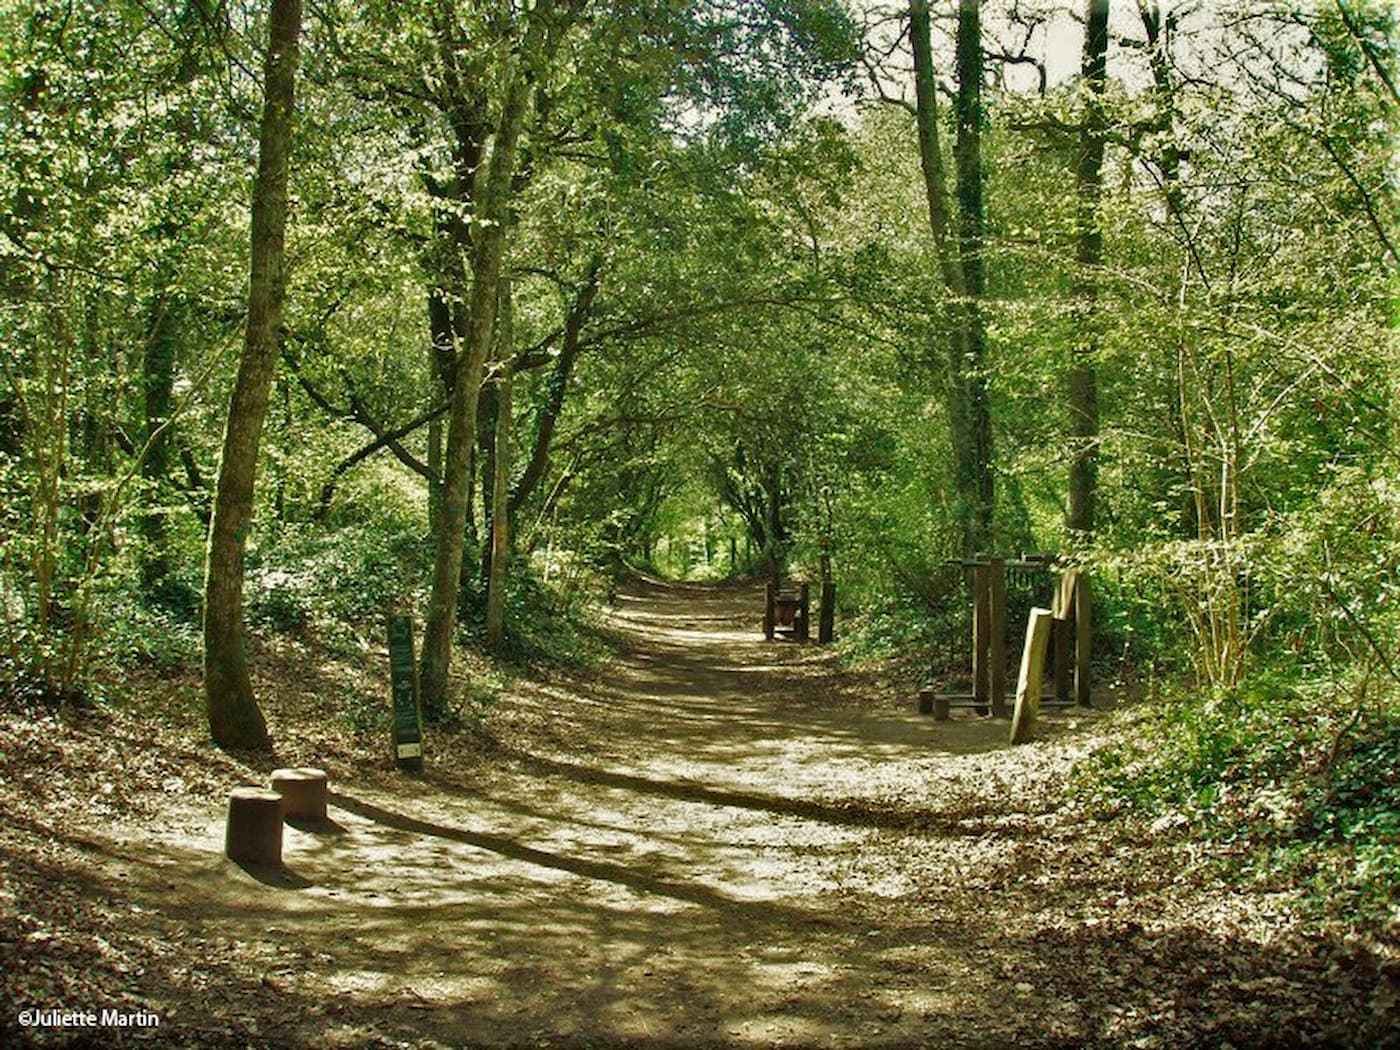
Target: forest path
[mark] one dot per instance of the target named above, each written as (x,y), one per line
(715,841)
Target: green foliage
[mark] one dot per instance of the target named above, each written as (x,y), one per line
(310,576)
(545,622)
(1290,778)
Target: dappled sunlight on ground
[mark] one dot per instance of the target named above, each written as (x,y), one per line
(712,841)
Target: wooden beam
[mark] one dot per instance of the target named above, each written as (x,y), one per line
(1083,640)
(1062,633)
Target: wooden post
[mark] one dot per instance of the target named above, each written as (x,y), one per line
(996,626)
(826,628)
(403,680)
(769,613)
(303,793)
(253,834)
(1062,633)
(733,555)
(1032,668)
(981,639)
(1083,640)
(802,628)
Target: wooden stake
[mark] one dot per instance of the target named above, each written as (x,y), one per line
(1032,668)
(1062,633)
(1083,640)
(769,614)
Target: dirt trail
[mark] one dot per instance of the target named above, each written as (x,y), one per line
(717,841)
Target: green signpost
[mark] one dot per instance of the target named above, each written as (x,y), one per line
(403,677)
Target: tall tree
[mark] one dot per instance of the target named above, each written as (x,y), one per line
(234,717)
(960,259)
(1083,378)
(489,247)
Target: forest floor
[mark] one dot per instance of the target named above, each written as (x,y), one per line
(711,841)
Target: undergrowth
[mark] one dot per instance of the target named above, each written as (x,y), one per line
(1293,782)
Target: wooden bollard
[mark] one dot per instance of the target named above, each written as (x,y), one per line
(253,834)
(303,793)
(769,613)
(802,630)
(1032,668)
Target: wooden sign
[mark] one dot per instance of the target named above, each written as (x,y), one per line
(403,678)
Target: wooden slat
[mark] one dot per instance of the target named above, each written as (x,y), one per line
(1027,708)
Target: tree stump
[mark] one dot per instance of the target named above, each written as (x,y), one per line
(303,793)
(254,831)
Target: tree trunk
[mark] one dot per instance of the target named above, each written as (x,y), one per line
(960,265)
(461,434)
(158,383)
(234,718)
(538,466)
(487,409)
(500,491)
(976,457)
(1083,380)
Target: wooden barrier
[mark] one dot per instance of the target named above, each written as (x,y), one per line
(981,639)
(996,643)
(988,646)
(1069,639)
